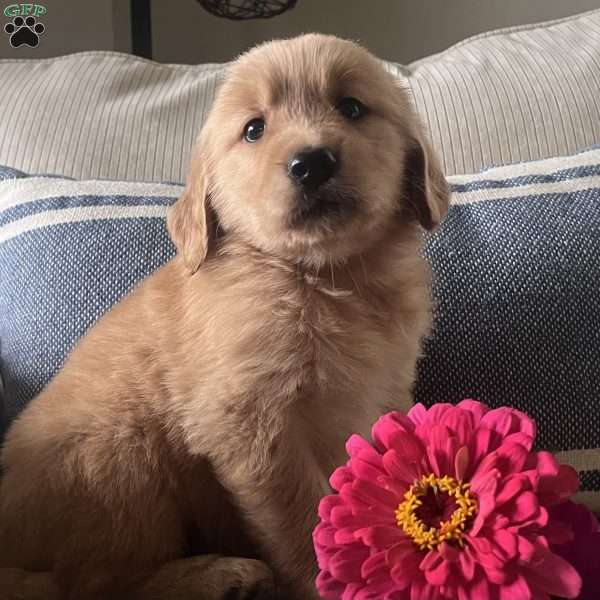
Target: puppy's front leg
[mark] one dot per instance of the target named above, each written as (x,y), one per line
(277,483)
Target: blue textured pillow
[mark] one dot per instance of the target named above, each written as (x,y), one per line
(517,284)
(516,281)
(69,250)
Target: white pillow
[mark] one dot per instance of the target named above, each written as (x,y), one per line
(506,96)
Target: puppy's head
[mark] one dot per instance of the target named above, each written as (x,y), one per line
(311,152)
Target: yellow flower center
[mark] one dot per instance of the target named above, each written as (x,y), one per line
(443,493)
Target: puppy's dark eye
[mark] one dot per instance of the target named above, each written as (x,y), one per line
(352,108)
(254,130)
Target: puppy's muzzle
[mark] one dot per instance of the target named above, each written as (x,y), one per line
(313,167)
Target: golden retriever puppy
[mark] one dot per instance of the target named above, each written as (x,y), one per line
(202,416)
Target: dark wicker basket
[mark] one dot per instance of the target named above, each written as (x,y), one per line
(239,10)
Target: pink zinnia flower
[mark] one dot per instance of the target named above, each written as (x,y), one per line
(449,503)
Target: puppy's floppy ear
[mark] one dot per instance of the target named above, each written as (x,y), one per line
(189,219)
(425,188)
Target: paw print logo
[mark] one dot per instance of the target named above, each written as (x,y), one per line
(24,32)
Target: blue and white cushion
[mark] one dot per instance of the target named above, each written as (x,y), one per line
(516,282)
(69,250)
(516,270)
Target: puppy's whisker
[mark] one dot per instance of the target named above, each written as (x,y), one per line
(364,269)
(332,275)
(356,287)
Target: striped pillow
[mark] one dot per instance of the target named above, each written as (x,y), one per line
(69,250)
(511,95)
(516,280)
(517,285)
(516,94)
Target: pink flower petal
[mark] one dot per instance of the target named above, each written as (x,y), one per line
(398,468)
(461,463)
(517,588)
(449,553)
(356,517)
(417,414)
(381,536)
(376,589)
(557,532)
(397,595)
(327,504)
(404,574)
(512,455)
(439,575)
(523,507)
(374,565)
(404,562)
(441,450)
(352,590)
(496,575)
(403,551)
(409,446)
(511,486)
(520,438)
(366,495)
(344,536)
(463,594)
(556,482)
(340,477)
(436,413)
(421,590)
(436,568)
(431,560)
(324,534)
(554,576)
(461,423)
(505,421)
(329,587)
(365,469)
(553,490)
(526,549)
(396,486)
(477,409)
(356,443)
(485,490)
(346,564)
(467,564)
(480,588)
(387,427)
(507,541)
(479,447)
(483,554)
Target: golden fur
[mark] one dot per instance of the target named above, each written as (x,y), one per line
(217,397)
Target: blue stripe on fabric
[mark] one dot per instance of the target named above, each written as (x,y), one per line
(10,173)
(27,209)
(562,175)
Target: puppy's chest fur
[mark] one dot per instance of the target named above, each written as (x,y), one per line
(305,358)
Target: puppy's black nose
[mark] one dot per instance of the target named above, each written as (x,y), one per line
(312,167)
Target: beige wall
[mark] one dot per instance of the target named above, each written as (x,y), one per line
(400,30)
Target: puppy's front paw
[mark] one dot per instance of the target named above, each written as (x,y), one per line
(261,590)
(250,580)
